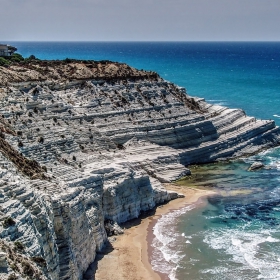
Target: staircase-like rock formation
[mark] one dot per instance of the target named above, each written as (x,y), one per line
(86,142)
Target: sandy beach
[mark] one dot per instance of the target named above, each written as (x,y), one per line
(126,257)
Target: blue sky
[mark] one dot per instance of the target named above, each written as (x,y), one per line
(140,20)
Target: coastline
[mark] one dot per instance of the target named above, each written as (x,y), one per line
(127,256)
(95,168)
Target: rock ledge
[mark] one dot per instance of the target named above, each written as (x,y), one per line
(84,142)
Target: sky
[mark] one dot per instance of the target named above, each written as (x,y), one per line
(139,20)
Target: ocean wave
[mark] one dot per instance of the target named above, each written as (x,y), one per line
(166,253)
(218,102)
(248,248)
(269,158)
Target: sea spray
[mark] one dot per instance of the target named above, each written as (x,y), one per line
(167,242)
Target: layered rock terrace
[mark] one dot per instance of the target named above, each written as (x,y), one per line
(83,142)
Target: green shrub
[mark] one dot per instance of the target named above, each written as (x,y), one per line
(120,146)
(16,57)
(68,60)
(4,61)
(18,245)
(41,140)
(8,222)
(31,57)
(12,277)
(27,268)
(39,260)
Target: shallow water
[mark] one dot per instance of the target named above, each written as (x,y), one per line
(232,235)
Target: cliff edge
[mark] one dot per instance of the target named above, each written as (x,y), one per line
(84,143)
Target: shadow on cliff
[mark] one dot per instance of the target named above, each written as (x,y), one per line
(90,273)
(143,215)
(109,246)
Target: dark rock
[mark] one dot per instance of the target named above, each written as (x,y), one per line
(112,228)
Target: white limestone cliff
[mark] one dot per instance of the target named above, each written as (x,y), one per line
(106,147)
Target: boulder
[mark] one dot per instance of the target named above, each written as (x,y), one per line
(256,165)
(112,228)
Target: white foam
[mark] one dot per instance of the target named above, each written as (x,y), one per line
(166,251)
(271,239)
(218,102)
(245,247)
(236,242)
(172,275)
(216,270)
(270,157)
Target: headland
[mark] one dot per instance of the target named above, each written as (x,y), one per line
(88,145)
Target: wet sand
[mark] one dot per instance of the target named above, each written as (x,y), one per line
(126,256)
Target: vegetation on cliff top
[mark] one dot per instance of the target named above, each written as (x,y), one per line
(15,58)
(33,70)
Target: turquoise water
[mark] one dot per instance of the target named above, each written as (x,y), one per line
(238,75)
(228,236)
(232,235)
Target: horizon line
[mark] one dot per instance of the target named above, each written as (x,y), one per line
(145,41)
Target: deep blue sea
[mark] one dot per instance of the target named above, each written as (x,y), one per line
(235,234)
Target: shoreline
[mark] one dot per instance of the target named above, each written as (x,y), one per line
(127,256)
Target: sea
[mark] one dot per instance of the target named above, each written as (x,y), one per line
(234,234)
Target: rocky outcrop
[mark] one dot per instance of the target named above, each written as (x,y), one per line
(57,71)
(256,166)
(98,140)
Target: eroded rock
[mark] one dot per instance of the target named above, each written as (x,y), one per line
(105,136)
(256,165)
(112,228)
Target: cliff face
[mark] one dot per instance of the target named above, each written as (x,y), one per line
(101,148)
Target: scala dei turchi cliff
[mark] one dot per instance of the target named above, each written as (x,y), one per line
(83,143)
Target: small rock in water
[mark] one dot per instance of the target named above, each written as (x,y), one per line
(256,165)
